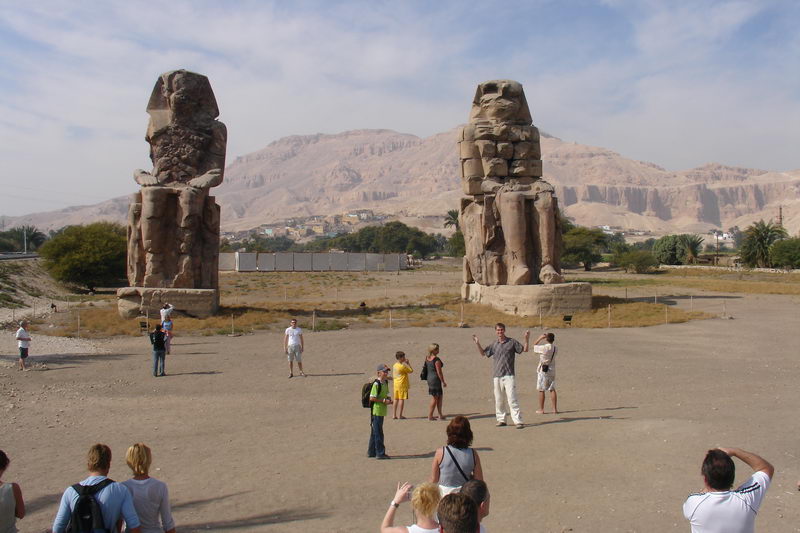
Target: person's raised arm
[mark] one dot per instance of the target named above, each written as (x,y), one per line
(756,462)
(478,344)
(527,340)
(387,526)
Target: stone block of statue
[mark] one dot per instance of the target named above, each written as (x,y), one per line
(173,222)
(510,218)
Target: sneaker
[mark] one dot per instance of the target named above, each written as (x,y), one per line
(501,424)
(520,426)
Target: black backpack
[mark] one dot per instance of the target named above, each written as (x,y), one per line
(87,517)
(365,393)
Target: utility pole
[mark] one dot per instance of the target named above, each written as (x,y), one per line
(780,215)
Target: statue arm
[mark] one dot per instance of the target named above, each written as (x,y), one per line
(216,160)
(144,178)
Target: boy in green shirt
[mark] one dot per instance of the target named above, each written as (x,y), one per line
(379,397)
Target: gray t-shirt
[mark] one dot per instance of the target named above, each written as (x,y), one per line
(504,355)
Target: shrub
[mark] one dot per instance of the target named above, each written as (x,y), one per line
(90,256)
(786,253)
(638,261)
(669,250)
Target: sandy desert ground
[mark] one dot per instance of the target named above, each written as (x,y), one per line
(243,448)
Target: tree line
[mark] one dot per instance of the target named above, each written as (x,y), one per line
(95,254)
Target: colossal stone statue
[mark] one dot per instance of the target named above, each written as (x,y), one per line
(173,222)
(510,219)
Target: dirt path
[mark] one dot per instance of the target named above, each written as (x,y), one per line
(243,448)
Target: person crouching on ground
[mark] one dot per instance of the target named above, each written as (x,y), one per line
(424,501)
(158,340)
(402,368)
(379,398)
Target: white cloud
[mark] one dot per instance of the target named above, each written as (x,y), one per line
(667,88)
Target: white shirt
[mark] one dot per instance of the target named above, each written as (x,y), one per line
(294,335)
(151,501)
(730,511)
(166,312)
(547,353)
(23,334)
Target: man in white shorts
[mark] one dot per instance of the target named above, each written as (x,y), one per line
(546,371)
(293,346)
(718,509)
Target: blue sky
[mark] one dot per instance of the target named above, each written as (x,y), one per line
(676,83)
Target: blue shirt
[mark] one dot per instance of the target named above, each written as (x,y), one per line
(114,500)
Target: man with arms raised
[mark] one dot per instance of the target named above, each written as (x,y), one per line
(504,351)
(718,509)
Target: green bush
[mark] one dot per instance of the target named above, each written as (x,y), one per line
(638,261)
(583,245)
(669,250)
(786,253)
(91,256)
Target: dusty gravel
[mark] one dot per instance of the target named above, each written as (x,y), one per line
(243,448)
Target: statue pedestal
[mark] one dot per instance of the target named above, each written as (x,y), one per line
(530,300)
(195,303)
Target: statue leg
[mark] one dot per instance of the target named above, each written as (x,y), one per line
(546,215)
(190,208)
(511,206)
(135,251)
(154,200)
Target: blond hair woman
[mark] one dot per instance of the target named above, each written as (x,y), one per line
(150,496)
(424,500)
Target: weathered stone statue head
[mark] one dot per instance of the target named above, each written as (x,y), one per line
(500,102)
(181,97)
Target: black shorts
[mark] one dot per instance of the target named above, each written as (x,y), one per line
(23,353)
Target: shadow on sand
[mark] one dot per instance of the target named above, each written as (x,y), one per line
(277,517)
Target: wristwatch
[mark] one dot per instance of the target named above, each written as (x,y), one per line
(393,504)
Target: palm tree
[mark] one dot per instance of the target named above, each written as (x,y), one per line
(451,219)
(691,245)
(758,239)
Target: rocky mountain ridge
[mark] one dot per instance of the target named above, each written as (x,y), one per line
(416,179)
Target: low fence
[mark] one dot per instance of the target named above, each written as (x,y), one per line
(312,262)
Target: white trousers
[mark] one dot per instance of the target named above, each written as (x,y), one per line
(505,388)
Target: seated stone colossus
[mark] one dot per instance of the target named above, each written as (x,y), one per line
(510,218)
(173,222)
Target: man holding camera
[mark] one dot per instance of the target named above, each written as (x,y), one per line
(546,371)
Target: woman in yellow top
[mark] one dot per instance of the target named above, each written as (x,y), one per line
(402,368)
